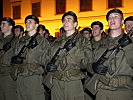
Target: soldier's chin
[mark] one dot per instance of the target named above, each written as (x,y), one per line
(66,29)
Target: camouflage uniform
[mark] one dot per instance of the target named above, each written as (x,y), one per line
(29,80)
(67,83)
(120,73)
(8,87)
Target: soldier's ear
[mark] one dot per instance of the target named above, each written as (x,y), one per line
(122,21)
(101,31)
(37,25)
(10,27)
(75,24)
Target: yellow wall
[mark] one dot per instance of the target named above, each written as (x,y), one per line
(53,21)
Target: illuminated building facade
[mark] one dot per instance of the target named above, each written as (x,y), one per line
(50,12)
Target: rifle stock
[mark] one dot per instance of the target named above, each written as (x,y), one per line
(92,83)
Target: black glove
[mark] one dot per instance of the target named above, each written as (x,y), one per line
(51,67)
(69,45)
(17,60)
(99,68)
(6,47)
(32,43)
(124,41)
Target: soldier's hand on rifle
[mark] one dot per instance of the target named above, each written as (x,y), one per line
(51,67)
(99,68)
(124,41)
(69,45)
(17,60)
(6,47)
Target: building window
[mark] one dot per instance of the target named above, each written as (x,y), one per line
(17,12)
(36,9)
(57,34)
(114,3)
(60,6)
(85,5)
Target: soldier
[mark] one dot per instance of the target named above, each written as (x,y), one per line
(97,42)
(97,33)
(8,87)
(118,64)
(27,71)
(18,31)
(67,75)
(41,30)
(128,23)
(87,33)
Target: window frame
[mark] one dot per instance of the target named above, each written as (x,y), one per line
(16,3)
(35,2)
(85,9)
(56,7)
(114,6)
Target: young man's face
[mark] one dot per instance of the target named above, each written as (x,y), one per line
(68,23)
(96,30)
(115,21)
(17,31)
(128,25)
(86,34)
(30,25)
(5,27)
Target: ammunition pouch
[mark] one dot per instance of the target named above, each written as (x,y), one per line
(120,81)
(67,73)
